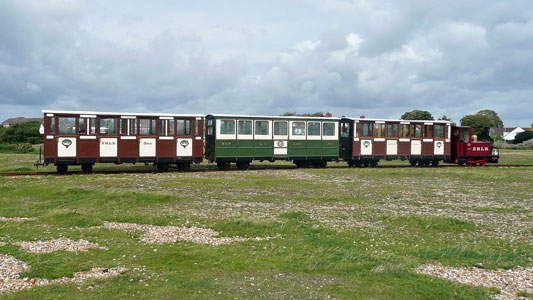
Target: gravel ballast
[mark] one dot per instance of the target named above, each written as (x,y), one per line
(10,281)
(152,234)
(509,282)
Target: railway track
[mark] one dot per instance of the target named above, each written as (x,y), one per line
(111,172)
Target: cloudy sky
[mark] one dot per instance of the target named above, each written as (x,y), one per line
(377,58)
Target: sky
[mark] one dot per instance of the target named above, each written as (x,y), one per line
(371,57)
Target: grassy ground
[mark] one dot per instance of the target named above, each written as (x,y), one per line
(344,233)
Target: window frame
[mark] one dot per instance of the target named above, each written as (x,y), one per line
(245,136)
(227,136)
(293,136)
(314,137)
(185,122)
(380,126)
(414,125)
(335,135)
(139,131)
(367,124)
(278,136)
(387,130)
(443,131)
(75,131)
(267,136)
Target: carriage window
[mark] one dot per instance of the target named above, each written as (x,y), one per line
(392,130)
(227,126)
(439,131)
(161,127)
(108,126)
(82,126)
(183,127)
(123,126)
(280,128)
(428,131)
(261,128)
(171,127)
(244,127)
(67,125)
(328,129)
(196,126)
(404,131)
(93,125)
(366,129)
(313,128)
(147,127)
(379,130)
(133,128)
(52,125)
(416,131)
(298,128)
(345,130)
(357,126)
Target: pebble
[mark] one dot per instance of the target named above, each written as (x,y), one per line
(10,281)
(55,245)
(510,282)
(153,234)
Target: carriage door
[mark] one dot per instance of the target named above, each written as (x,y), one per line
(184,141)
(147,140)
(108,137)
(66,142)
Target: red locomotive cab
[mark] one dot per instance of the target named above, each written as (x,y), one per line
(466,149)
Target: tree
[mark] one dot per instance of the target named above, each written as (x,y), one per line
(317,114)
(477,122)
(523,136)
(417,115)
(22,133)
(445,118)
(493,116)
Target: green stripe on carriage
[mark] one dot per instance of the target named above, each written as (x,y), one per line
(265,148)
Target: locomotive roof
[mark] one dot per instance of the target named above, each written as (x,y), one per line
(399,120)
(45,111)
(275,117)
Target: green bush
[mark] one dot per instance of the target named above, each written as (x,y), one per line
(523,136)
(16,148)
(22,133)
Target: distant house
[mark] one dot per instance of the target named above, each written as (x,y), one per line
(507,134)
(19,120)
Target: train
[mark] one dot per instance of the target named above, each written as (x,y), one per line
(85,138)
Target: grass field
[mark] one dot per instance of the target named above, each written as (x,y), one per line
(332,233)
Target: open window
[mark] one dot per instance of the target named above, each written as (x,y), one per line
(366,129)
(416,131)
(345,129)
(428,131)
(379,130)
(404,131)
(392,130)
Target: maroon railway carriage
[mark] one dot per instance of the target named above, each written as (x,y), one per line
(364,142)
(86,138)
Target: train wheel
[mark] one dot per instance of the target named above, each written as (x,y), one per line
(413,163)
(298,163)
(351,163)
(87,168)
(184,166)
(366,163)
(243,165)
(162,167)
(425,163)
(223,165)
(435,163)
(305,164)
(374,163)
(358,163)
(62,168)
(324,164)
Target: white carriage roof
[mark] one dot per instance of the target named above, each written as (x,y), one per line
(99,113)
(400,120)
(274,117)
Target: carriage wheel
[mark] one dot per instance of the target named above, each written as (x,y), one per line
(162,167)
(223,165)
(243,165)
(62,168)
(413,163)
(87,168)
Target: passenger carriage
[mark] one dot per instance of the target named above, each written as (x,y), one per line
(86,138)
(364,142)
(242,139)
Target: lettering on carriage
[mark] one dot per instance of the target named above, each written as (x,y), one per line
(225,143)
(146,143)
(297,144)
(108,143)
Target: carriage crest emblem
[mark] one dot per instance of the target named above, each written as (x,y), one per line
(184,143)
(366,144)
(67,143)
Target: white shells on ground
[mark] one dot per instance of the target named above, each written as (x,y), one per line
(55,245)
(510,282)
(170,234)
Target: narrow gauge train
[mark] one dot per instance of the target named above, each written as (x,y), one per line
(86,138)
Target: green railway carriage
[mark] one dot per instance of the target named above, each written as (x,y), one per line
(307,141)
